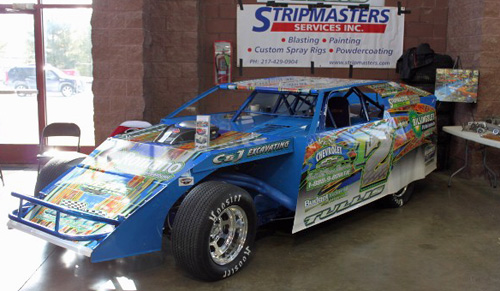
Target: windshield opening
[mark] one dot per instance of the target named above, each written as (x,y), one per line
(281,104)
(221,101)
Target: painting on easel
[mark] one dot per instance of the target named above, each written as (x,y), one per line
(453,85)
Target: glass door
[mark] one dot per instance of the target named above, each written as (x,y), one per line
(18,88)
(68,70)
(45,73)
(18,107)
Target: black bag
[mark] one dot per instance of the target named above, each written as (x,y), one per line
(418,65)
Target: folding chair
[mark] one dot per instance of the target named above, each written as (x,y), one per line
(52,130)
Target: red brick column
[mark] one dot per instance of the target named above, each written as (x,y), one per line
(117,50)
(171,55)
(145,56)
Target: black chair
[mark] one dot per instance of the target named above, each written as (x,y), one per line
(339,110)
(57,129)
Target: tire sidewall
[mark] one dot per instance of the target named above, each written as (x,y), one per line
(54,168)
(227,199)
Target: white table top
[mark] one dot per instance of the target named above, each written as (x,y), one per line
(473,136)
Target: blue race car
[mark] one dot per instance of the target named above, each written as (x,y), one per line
(301,147)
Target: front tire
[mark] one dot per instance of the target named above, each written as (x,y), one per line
(214,231)
(54,168)
(67,90)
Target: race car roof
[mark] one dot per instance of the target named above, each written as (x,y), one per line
(298,84)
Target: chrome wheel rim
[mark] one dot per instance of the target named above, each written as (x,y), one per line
(228,235)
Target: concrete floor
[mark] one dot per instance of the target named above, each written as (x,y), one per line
(444,239)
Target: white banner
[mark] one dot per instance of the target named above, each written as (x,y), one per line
(330,37)
(330,2)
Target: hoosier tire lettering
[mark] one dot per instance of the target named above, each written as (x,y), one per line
(238,266)
(229,201)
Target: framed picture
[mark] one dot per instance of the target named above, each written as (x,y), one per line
(456,85)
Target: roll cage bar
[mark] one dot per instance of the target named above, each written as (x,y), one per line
(292,107)
(300,98)
(364,101)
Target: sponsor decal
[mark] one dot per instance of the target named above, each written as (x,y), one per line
(422,124)
(228,158)
(429,153)
(265,149)
(332,210)
(250,152)
(319,177)
(329,161)
(397,102)
(329,151)
(326,198)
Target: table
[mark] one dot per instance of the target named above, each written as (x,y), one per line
(475,137)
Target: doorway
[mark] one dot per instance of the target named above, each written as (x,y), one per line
(45,74)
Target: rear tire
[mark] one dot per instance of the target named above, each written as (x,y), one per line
(55,168)
(399,198)
(214,231)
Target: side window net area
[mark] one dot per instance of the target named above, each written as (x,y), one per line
(351,107)
(288,104)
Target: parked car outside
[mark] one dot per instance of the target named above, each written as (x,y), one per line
(24,77)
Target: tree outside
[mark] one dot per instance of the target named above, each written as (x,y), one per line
(68,44)
(67,40)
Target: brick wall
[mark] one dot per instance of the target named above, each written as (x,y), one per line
(145,55)
(171,56)
(150,56)
(474,35)
(426,23)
